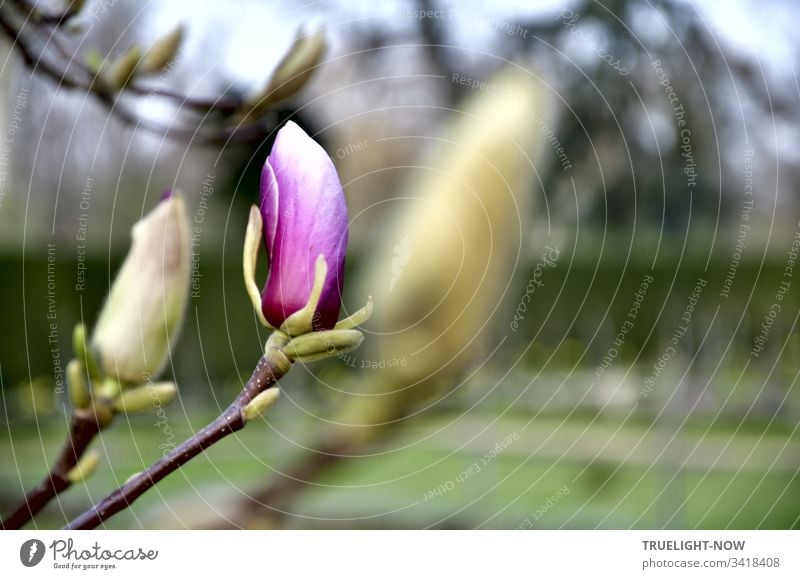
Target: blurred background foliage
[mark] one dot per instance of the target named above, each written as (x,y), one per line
(564,432)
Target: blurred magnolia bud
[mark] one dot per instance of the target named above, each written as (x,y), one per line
(85,468)
(292,72)
(123,69)
(94,60)
(144,397)
(107,387)
(447,261)
(162,51)
(144,309)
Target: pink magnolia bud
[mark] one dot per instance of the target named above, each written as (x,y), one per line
(304,216)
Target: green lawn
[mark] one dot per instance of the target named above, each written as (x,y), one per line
(577,473)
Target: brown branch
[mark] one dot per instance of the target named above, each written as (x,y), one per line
(54,18)
(224,134)
(266,374)
(85,425)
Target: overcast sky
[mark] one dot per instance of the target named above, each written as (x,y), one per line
(763,29)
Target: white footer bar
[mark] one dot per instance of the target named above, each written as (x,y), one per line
(406,554)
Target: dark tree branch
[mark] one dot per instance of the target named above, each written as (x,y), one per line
(265,376)
(227,130)
(85,425)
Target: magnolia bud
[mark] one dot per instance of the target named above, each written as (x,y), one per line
(356,319)
(436,309)
(261,403)
(305,228)
(107,388)
(162,52)
(142,315)
(82,352)
(297,66)
(292,73)
(94,60)
(144,397)
(123,69)
(78,391)
(324,344)
(85,468)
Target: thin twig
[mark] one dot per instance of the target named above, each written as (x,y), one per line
(266,374)
(54,18)
(224,134)
(85,425)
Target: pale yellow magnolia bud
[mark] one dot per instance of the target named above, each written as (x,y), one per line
(302,321)
(162,51)
(85,468)
(78,390)
(324,344)
(292,73)
(465,232)
(80,348)
(142,316)
(440,276)
(123,69)
(261,403)
(145,397)
(94,60)
(107,387)
(356,319)
(252,243)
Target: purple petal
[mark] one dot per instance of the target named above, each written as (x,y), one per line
(305,215)
(269,205)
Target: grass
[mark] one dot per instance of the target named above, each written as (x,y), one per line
(577,473)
